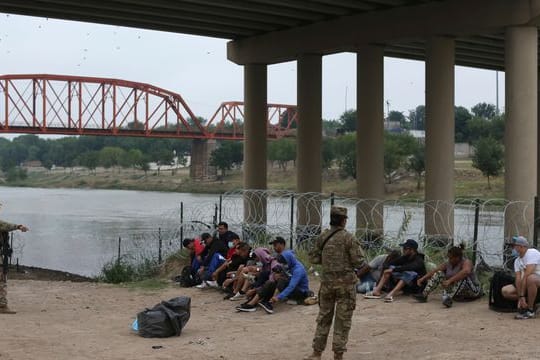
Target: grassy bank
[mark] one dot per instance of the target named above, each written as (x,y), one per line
(469,182)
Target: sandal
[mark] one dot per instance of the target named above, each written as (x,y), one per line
(389,299)
(368,296)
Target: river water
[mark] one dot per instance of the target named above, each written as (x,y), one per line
(77,230)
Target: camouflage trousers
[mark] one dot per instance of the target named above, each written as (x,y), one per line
(3,291)
(464,289)
(341,300)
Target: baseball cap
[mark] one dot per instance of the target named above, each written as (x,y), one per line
(338,210)
(409,243)
(519,240)
(278,240)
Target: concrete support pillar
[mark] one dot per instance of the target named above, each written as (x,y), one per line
(200,168)
(439,205)
(370,141)
(520,179)
(309,144)
(255,134)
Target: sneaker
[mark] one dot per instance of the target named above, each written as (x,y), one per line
(238,296)
(447,301)
(211,283)
(420,297)
(312,300)
(202,285)
(6,310)
(246,308)
(267,307)
(527,314)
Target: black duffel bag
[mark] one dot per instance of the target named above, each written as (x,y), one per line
(165,319)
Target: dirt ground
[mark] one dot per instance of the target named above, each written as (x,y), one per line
(59,320)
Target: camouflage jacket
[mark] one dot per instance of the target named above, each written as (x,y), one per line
(4,226)
(341,254)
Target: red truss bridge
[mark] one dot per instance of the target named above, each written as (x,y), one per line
(77,105)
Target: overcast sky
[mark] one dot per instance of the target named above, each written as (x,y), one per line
(197,67)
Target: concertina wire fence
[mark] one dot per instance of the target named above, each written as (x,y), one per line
(402,220)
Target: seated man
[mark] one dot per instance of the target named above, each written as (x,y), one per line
(370,273)
(212,257)
(527,269)
(195,249)
(227,270)
(281,288)
(456,276)
(405,270)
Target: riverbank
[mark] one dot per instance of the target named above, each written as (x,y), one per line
(66,320)
(469,182)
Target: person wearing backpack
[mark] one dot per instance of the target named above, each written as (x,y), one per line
(527,269)
(339,253)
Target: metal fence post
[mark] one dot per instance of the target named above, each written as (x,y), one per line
(181,222)
(220,205)
(292,221)
(160,259)
(119,243)
(215,215)
(475,234)
(536,222)
(332,199)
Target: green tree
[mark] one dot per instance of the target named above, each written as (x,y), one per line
(478,128)
(397,147)
(417,164)
(484,110)
(110,156)
(417,118)
(328,153)
(397,116)
(228,154)
(462,117)
(90,160)
(488,157)
(282,151)
(345,150)
(330,127)
(348,121)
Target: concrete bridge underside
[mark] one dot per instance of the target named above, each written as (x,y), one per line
(490,34)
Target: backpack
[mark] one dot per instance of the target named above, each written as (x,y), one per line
(186,278)
(165,319)
(496,301)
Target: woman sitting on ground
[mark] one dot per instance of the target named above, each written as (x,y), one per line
(456,276)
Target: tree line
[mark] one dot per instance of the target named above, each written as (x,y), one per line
(482,127)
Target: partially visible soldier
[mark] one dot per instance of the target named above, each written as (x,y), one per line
(339,253)
(5,228)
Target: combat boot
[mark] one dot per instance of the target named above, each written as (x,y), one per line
(6,310)
(338,356)
(316,355)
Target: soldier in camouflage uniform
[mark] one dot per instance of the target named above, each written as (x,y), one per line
(5,228)
(339,253)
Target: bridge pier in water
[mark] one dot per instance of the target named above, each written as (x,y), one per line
(201,150)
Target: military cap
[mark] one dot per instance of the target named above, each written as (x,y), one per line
(338,210)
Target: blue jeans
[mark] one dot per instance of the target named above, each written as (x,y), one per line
(215,262)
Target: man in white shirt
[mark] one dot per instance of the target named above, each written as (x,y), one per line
(527,269)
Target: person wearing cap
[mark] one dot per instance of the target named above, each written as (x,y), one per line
(5,229)
(527,269)
(278,244)
(339,253)
(370,274)
(404,272)
(456,276)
